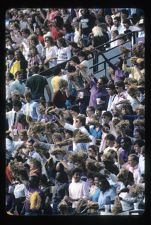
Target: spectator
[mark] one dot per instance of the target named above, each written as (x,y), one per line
(107,194)
(64,52)
(19,64)
(133,167)
(18,85)
(36,84)
(98,90)
(51,52)
(60,96)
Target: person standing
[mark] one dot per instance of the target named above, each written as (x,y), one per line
(36,84)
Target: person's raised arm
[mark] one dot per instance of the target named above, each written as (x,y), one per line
(108,61)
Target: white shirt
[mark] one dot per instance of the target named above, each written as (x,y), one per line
(31,109)
(10,116)
(77,190)
(9,145)
(41,50)
(120,28)
(50,53)
(64,54)
(20,191)
(142,164)
(127,201)
(118,98)
(25,45)
(111,99)
(134,103)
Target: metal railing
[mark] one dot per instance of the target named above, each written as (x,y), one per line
(50,72)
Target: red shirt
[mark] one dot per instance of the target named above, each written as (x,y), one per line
(9,174)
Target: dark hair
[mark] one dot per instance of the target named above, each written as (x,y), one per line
(10,52)
(57,70)
(94,147)
(34,69)
(28,94)
(140,143)
(82,54)
(141,132)
(99,107)
(75,170)
(26,31)
(75,108)
(33,48)
(50,39)
(111,86)
(135,157)
(82,119)
(34,181)
(105,183)
(63,42)
(127,21)
(10,76)
(23,175)
(70,68)
(120,83)
(17,103)
(91,108)
(73,44)
(58,21)
(108,114)
(68,118)
(68,132)
(62,177)
(43,179)
(31,140)
(117,18)
(75,59)
(22,119)
(110,137)
(106,125)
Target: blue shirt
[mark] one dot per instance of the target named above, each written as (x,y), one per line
(106,198)
(96,134)
(96,195)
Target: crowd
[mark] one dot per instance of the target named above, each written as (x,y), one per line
(83,149)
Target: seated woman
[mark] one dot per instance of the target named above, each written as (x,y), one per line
(95,189)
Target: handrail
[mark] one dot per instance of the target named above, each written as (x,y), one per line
(94,50)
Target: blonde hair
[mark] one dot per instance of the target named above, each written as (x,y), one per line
(97,31)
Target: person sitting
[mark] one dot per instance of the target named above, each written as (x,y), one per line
(107,194)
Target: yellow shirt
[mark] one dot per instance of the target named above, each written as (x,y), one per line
(135,72)
(55,83)
(15,67)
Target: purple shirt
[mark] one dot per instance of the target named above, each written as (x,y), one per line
(27,201)
(97,93)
